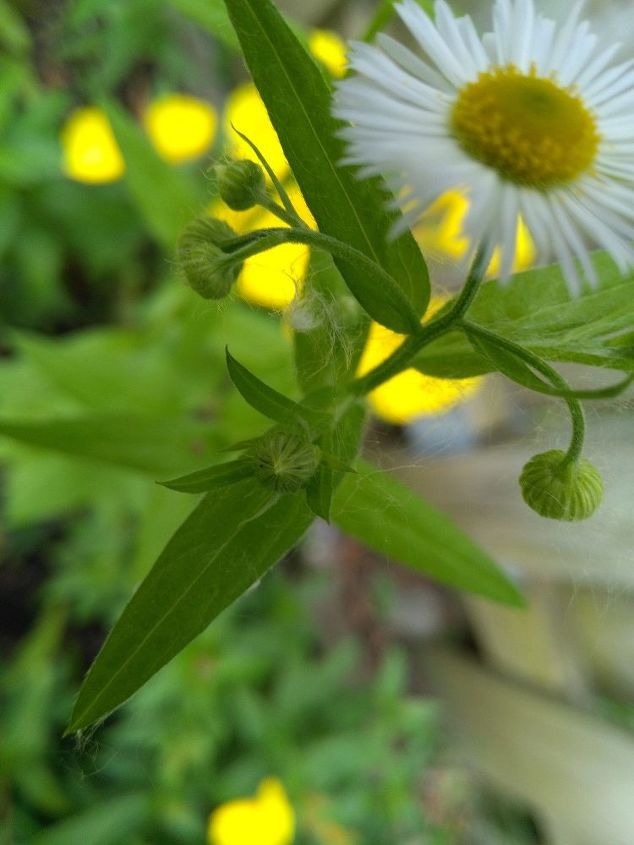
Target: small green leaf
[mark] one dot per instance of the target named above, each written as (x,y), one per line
(165,196)
(210,478)
(319,491)
(298,100)
(509,364)
(536,311)
(226,544)
(340,446)
(268,401)
(387,516)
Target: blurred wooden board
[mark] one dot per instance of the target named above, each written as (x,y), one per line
(560,761)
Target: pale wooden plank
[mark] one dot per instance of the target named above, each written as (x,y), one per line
(563,762)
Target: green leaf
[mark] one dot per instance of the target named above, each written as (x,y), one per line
(319,491)
(298,100)
(384,514)
(155,445)
(210,478)
(267,401)
(166,198)
(227,543)
(340,446)
(511,364)
(536,311)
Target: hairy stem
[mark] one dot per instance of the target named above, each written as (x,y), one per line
(240,248)
(556,379)
(402,357)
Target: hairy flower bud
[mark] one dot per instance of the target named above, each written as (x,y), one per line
(285,462)
(209,271)
(557,489)
(241,184)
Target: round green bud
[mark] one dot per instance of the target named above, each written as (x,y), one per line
(209,271)
(557,489)
(241,184)
(284,462)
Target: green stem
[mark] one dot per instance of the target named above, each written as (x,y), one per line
(574,406)
(286,216)
(241,248)
(402,357)
(277,184)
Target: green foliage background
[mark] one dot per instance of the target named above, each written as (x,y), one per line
(111,373)
(113,376)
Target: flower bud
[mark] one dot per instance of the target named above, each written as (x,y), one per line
(209,271)
(558,489)
(241,184)
(285,462)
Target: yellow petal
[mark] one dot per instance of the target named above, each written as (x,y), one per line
(524,253)
(180,127)
(266,819)
(90,151)
(440,233)
(409,394)
(330,49)
(245,110)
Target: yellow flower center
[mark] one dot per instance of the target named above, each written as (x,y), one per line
(526,127)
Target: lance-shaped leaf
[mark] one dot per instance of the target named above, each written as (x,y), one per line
(340,446)
(515,367)
(319,491)
(211,478)
(536,311)
(227,543)
(298,100)
(387,516)
(268,401)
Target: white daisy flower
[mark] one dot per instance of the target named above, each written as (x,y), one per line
(532,120)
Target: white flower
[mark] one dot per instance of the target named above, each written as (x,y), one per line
(532,120)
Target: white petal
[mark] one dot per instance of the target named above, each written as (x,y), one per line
(430,40)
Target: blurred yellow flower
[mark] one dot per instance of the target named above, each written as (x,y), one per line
(440,234)
(180,127)
(270,279)
(89,148)
(330,49)
(245,110)
(266,819)
(409,394)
